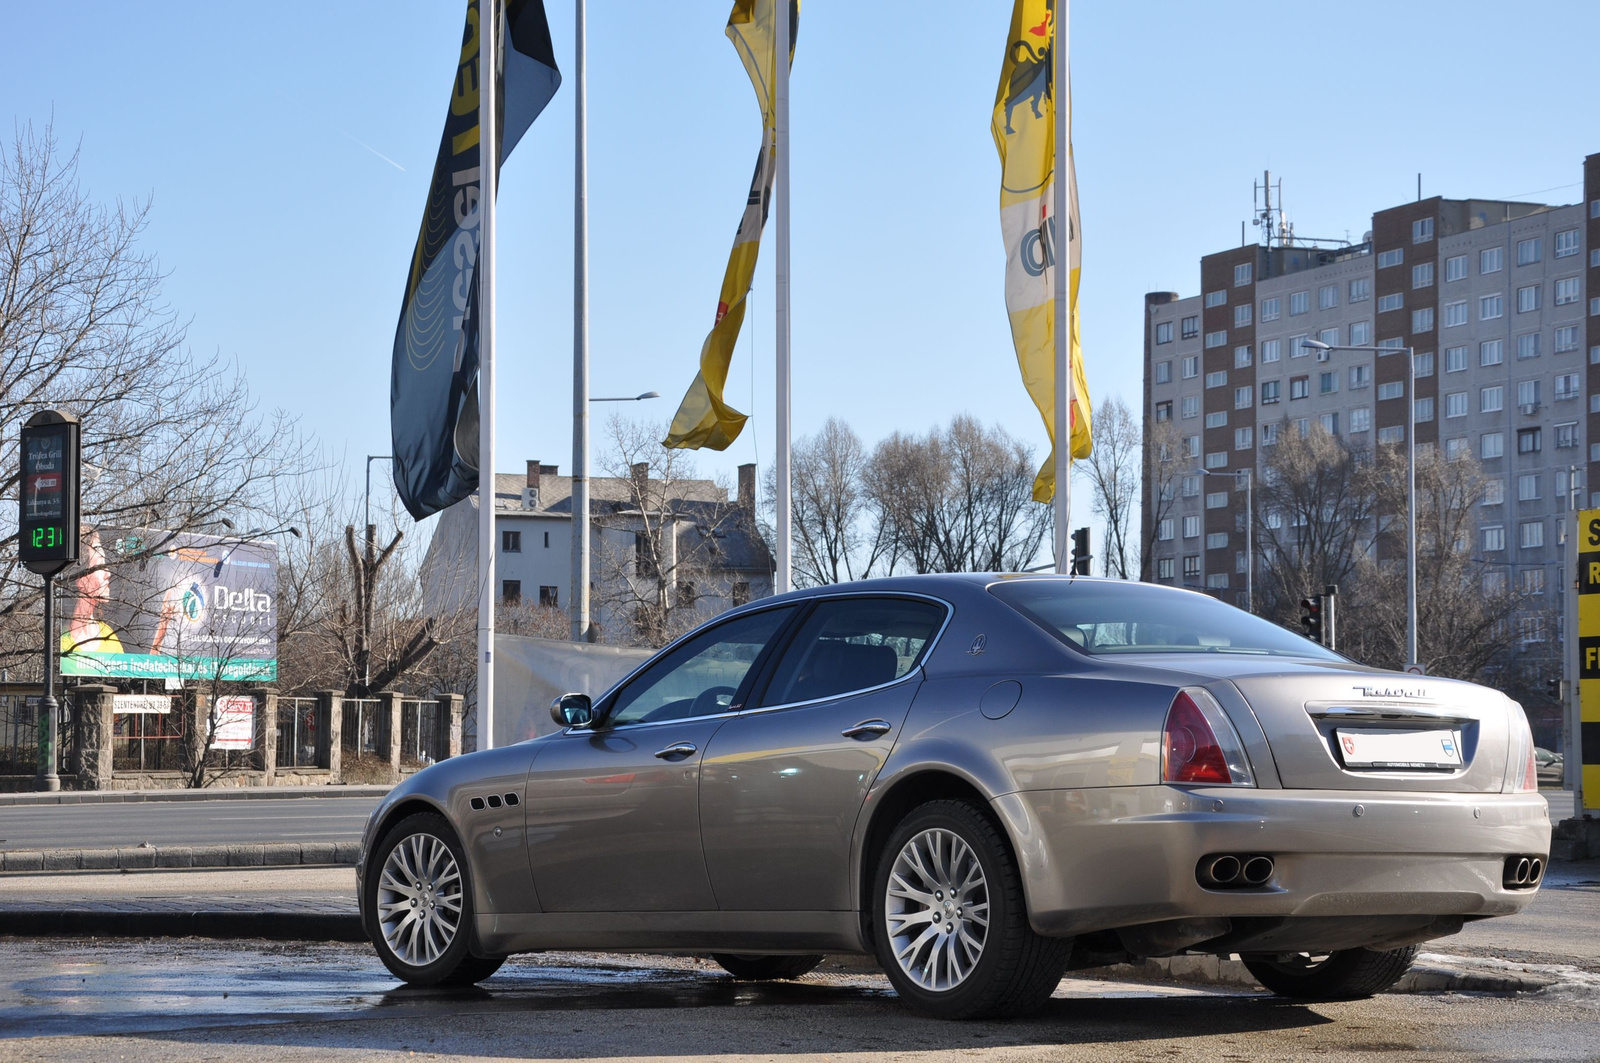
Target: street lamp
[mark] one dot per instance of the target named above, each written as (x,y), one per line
(366,513)
(631,398)
(1324,349)
(1249,528)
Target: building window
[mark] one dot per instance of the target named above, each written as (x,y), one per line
(1594,258)
(1271,309)
(1191,406)
(1529,441)
(1191,447)
(1244,438)
(1244,398)
(1271,390)
(1297,345)
(1528,395)
(1528,345)
(1327,383)
(1455,359)
(1216,299)
(1422,320)
(1532,581)
(1360,376)
(1299,303)
(1164,529)
(1455,449)
(1361,419)
(1241,274)
(1491,260)
(1269,434)
(1492,445)
(1594,208)
(1361,289)
(1455,268)
(1299,387)
(547,540)
(1394,301)
(1528,487)
(511,542)
(1566,435)
(1191,367)
(1492,400)
(1330,423)
(1530,534)
(1494,539)
(1163,372)
(1219,379)
(1217,541)
(1494,492)
(1566,339)
(1567,290)
(1594,306)
(1163,332)
(1360,333)
(1424,363)
(1529,251)
(1394,389)
(1191,486)
(1391,258)
(1241,357)
(1491,352)
(1566,243)
(550,596)
(1217,500)
(1163,411)
(1271,350)
(1191,527)
(1455,314)
(1217,459)
(1189,327)
(1217,339)
(1422,275)
(1527,298)
(1422,230)
(1219,419)
(511,591)
(1242,315)
(1165,568)
(1191,566)
(1491,307)
(1424,410)
(1455,404)
(1392,434)
(1327,297)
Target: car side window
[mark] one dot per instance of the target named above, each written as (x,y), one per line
(701,676)
(851,644)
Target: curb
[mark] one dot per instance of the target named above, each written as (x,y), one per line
(1432,974)
(232,793)
(271,926)
(264,854)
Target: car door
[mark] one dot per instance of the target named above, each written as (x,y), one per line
(783,783)
(613,809)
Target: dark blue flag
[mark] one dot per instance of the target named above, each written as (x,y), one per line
(433,384)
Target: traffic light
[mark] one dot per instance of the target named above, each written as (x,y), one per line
(1080,552)
(1311,617)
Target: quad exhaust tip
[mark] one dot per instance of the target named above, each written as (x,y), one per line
(1235,871)
(1523,872)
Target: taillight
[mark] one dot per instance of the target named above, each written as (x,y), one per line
(1199,744)
(1522,771)
(1530,775)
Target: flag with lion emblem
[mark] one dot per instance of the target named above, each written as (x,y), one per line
(1024,132)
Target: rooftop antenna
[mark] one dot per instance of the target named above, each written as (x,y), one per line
(1275,228)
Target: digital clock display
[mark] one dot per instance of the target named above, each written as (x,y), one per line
(47,537)
(48,514)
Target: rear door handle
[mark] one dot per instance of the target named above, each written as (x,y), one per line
(678,749)
(868,729)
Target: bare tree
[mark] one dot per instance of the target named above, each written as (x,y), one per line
(1112,469)
(833,539)
(1165,462)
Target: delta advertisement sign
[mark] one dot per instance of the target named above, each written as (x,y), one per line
(149,604)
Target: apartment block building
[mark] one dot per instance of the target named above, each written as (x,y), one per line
(1500,301)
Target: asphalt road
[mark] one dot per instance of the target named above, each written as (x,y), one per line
(182,1000)
(222,822)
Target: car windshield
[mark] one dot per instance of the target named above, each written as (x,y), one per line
(1117,617)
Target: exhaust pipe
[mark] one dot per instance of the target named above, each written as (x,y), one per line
(1520,876)
(1258,869)
(1523,872)
(1535,870)
(1223,870)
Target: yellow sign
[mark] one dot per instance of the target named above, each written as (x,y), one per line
(1588,740)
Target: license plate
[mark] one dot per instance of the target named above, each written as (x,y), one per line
(1399,749)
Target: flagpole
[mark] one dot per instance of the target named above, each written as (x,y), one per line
(1061,249)
(580,331)
(488,152)
(780,105)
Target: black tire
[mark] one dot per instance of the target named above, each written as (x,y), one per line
(1015,969)
(452,964)
(1349,974)
(766,968)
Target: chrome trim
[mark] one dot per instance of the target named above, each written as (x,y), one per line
(644,723)
(678,749)
(868,729)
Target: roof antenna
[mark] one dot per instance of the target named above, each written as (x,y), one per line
(1419,188)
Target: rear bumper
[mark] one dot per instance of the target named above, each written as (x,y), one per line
(1117,857)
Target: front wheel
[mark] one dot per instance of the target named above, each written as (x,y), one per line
(950,921)
(422,908)
(1348,974)
(766,968)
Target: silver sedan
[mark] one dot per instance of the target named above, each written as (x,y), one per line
(984,781)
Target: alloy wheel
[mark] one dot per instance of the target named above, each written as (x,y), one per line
(937,909)
(419,899)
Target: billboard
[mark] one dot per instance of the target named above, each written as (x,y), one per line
(150,604)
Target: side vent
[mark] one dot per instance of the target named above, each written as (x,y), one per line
(512,800)
(477,804)
(494,801)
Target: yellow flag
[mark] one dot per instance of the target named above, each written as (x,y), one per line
(703,418)
(1024,132)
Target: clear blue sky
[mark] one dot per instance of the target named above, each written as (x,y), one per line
(287,240)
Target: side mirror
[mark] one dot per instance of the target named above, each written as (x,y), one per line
(572,710)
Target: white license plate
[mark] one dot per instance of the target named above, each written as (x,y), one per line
(1399,749)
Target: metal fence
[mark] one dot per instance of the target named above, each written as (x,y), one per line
(361,731)
(421,741)
(149,741)
(19,733)
(297,733)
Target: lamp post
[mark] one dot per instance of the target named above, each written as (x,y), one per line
(366,512)
(1249,528)
(1324,349)
(631,398)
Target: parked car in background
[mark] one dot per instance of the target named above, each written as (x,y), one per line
(984,781)
(1551,767)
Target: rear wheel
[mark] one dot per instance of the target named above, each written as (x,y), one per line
(766,968)
(950,921)
(1344,975)
(422,908)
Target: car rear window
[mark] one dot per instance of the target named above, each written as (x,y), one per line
(1115,617)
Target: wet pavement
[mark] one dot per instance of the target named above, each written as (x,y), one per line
(182,999)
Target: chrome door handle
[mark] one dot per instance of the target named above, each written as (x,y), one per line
(677,749)
(868,729)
